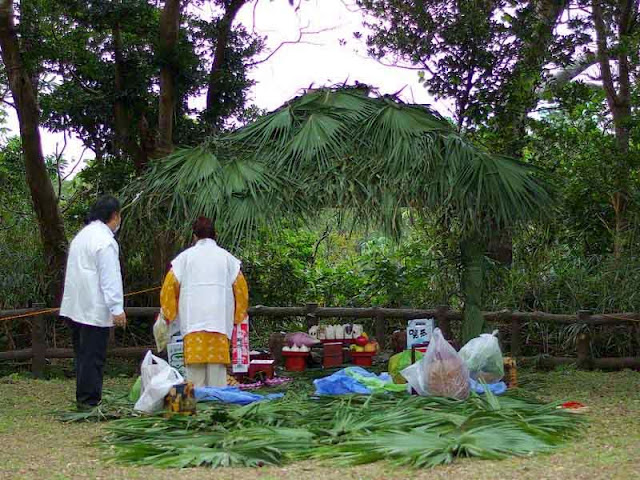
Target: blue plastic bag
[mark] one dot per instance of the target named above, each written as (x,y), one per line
(495,388)
(231,395)
(345,382)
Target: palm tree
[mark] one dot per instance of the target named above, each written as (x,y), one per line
(348,148)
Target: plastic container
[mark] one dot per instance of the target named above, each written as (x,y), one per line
(332,348)
(362,359)
(295,361)
(263,367)
(332,355)
(260,355)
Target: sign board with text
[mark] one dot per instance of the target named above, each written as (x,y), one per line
(419,331)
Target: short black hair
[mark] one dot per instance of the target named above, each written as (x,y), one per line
(203,228)
(103,209)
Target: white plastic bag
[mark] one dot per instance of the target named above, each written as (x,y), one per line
(157,378)
(440,373)
(483,358)
(161,332)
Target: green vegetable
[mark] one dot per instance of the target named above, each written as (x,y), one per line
(134,394)
(399,362)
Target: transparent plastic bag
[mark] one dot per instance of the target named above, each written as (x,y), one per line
(483,358)
(440,373)
(161,332)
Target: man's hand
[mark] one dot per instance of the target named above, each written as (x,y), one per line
(120,320)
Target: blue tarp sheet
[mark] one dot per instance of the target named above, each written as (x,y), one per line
(345,382)
(352,380)
(495,388)
(231,395)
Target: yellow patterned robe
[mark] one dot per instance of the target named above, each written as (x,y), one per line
(204,347)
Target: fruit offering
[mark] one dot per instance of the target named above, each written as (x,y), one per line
(366,346)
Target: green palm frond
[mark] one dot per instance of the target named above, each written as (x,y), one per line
(339,148)
(408,430)
(239,193)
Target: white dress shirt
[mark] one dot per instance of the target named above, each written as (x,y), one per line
(93,291)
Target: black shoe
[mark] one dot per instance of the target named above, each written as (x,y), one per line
(85,407)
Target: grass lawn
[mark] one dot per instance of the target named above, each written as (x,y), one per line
(37,446)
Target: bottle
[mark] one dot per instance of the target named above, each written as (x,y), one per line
(330,332)
(339,332)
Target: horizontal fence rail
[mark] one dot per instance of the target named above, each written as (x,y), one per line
(39,352)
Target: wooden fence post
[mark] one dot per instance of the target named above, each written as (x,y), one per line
(442,320)
(583,343)
(38,342)
(516,337)
(311,315)
(381,329)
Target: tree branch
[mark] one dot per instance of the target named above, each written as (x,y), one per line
(569,73)
(624,28)
(219,59)
(80,159)
(58,158)
(396,64)
(603,56)
(323,237)
(301,34)
(77,194)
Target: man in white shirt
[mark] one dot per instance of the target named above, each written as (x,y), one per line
(93,298)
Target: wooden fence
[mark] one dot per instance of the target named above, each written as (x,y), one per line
(39,352)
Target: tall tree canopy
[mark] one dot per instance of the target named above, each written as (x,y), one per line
(119,75)
(124,87)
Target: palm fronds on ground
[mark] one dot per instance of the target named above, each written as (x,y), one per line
(351,430)
(114,406)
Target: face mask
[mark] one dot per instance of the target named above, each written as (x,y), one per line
(117,229)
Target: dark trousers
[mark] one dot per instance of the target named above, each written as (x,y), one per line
(90,349)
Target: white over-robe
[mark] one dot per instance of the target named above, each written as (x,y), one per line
(206,274)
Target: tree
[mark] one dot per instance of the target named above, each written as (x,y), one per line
(343,148)
(575,142)
(539,44)
(613,48)
(487,57)
(463,51)
(24,92)
(615,25)
(169,28)
(127,70)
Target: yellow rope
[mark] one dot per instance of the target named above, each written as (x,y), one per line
(51,310)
